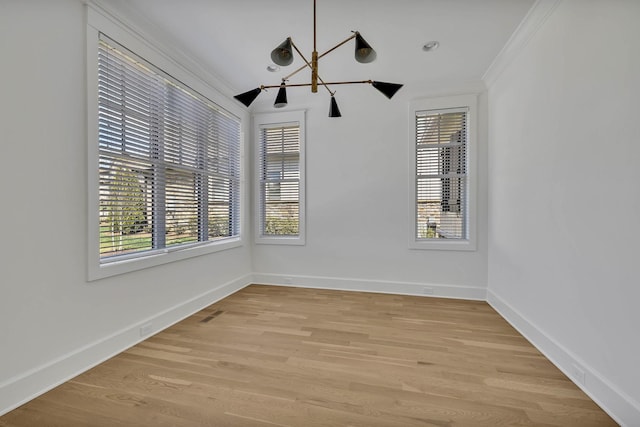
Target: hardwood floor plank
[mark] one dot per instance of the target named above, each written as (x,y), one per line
(281,356)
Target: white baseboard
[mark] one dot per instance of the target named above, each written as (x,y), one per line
(621,407)
(378,286)
(28,385)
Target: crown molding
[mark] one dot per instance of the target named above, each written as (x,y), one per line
(138,25)
(532,22)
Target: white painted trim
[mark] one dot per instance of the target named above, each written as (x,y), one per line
(377,286)
(98,20)
(275,119)
(469,101)
(97,271)
(621,407)
(532,22)
(28,385)
(137,25)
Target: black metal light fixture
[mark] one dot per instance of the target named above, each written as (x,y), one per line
(281,99)
(248,97)
(388,89)
(334,111)
(283,55)
(364,51)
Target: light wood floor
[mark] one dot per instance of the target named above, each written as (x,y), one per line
(277,356)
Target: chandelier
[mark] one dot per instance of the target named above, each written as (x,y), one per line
(283,56)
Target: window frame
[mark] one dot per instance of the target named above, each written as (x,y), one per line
(97,23)
(456,102)
(277,120)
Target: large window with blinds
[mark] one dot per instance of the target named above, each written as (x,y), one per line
(168,161)
(280,160)
(441,173)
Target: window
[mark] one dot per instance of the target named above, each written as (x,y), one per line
(280,160)
(442,141)
(168,162)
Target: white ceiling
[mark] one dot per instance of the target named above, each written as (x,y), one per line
(234,38)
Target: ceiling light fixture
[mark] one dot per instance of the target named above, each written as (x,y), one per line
(283,55)
(431,46)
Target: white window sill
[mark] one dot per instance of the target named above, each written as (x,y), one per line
(443,245)
(101,270)
(281,240)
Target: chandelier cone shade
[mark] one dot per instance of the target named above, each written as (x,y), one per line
(283,55)
(388,89)
(248,97)
(364,52)
(281,98)
(334,111)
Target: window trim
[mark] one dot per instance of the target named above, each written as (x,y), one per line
(469,101)
(278,119)
(98,22)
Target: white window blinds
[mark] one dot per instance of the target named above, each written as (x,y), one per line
(441,174)
(279,163)
(169,160)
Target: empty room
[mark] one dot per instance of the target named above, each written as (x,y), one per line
(319,213)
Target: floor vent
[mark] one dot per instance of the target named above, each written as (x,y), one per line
(211,316)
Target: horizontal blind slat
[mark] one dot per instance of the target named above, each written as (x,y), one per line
(441,179)
(169,160)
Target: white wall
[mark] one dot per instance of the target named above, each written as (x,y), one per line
(358,204)
(52,321)
(564,206)
(564,203)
